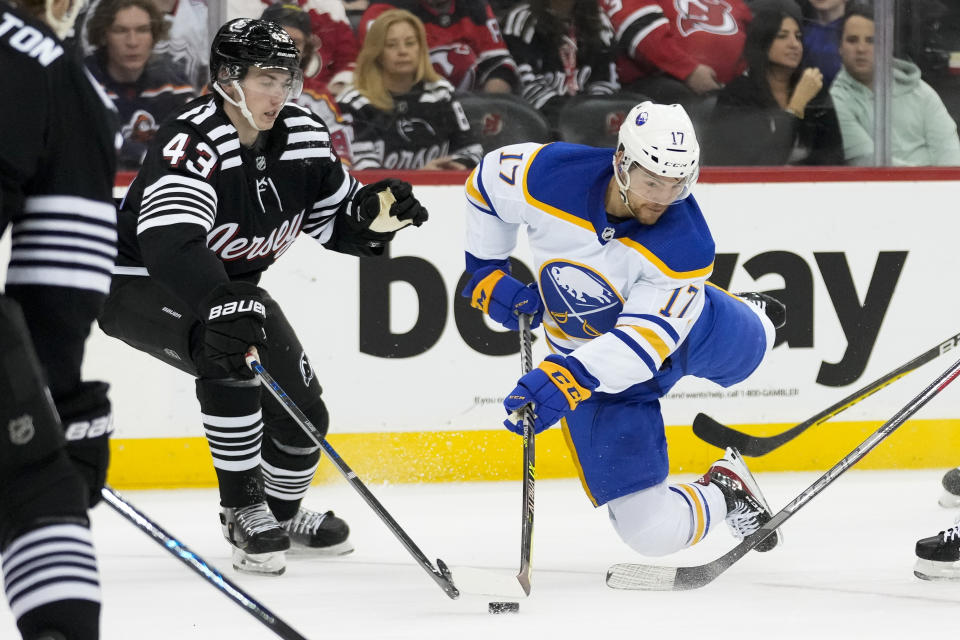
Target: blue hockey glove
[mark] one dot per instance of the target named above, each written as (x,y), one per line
(555,388)
(504,298)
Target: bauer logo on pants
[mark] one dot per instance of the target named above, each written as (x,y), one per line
(580,301)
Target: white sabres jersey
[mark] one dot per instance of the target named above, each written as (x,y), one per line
(618,295)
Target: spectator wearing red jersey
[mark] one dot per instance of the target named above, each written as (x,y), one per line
(333,43)
(675,50)
(316,95)
(466,46)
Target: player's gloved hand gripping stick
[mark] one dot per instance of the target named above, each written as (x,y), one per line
(440,574)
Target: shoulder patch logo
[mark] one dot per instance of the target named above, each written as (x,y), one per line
(712,16)
(580,300)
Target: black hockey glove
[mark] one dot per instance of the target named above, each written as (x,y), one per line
(233,318)
(386,207)
(87,425)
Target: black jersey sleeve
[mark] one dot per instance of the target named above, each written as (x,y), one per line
(176,210)
(57,159)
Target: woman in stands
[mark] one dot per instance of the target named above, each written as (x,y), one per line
(403,113)
(777,113)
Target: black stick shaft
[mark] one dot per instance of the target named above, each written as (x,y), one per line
(720,435)
(199,565)
(441,576)
(529,461)
(891,425)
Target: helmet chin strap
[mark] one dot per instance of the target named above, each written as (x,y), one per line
(241,104)
(622,188)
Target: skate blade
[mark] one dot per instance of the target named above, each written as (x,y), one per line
(339,549)
(932,570)
(949,500)
(267,564)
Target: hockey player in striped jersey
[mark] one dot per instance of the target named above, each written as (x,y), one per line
(56,182)
(622,254)
(226,187)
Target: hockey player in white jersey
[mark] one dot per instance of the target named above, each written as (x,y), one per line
(622,254)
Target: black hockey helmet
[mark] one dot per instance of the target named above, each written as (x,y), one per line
(245,42)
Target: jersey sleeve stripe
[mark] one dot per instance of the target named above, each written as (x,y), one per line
(73,205)
(341,194)
(660,322)
(58,226)
(23,255)
(231,163)
(646,31)
(652,10)
(661,347)
(180,207)
(307,136)
(162,221)
(300,121)
(58,277)
(185,181)
(311,152)
(637,349)
(230,145)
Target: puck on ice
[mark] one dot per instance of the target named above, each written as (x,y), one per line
(503,607)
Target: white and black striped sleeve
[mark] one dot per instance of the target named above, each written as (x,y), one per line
(322,216)
(64,241)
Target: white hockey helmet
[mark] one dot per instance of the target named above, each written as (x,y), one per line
(659,140)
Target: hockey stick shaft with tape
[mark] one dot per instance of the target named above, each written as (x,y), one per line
(657,578)
(440,574)
(180,551)
(720,435)
(529,461)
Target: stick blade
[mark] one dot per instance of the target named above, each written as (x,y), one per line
(722,436)
(648,577)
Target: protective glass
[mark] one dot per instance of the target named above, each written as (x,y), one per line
(276,81)
(650,187)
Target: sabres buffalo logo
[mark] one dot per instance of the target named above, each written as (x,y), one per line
(713,16)
(579,300)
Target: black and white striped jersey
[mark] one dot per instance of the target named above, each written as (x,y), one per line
(204,209)
(57,160)
(426,123)
(57,164)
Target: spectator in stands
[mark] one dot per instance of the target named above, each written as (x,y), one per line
(922,131)
(188,41)
(332,43)
(562,49)
(675,51)
(403,113)
(778,112)
(316,94)
(466,46)
(821,33)
(144,87)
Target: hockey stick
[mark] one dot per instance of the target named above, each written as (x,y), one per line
(720,435)
(178,550)
(441,575)
(655,578)
(529,460)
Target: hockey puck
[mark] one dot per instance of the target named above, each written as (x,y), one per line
(503,607)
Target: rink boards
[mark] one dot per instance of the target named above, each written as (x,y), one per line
(865,260)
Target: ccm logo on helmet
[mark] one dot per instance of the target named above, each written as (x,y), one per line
(243,306)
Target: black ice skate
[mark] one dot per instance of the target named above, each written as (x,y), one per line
(258,540)
(938,557)
(771,307)
(951,489)
(747,509)
(318,533)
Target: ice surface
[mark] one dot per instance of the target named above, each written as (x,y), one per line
(845,570)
